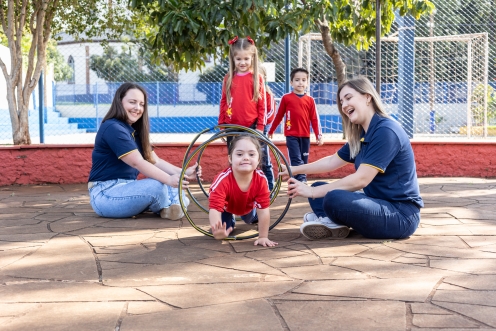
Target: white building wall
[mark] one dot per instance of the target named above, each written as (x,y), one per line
(5,56)
(78,53)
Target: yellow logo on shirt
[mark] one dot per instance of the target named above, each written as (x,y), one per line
(288,124)
(229,112)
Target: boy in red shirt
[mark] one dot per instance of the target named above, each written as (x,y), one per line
(300,111)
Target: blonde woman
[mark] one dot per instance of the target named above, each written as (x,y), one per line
(389,206)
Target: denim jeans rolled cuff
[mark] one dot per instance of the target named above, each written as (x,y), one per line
(372,218)
(122,198)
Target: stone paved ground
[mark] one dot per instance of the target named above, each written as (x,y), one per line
(64,268)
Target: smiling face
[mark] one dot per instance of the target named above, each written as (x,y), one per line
(244,157)
(356,106)
(299,82)
(134,105)
(243,61)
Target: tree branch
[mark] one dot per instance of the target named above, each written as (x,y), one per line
(329,47)
(2,18)
(22,19)
(4,69)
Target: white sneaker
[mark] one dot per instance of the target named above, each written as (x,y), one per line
(310,217)
(323,228)
(173,212)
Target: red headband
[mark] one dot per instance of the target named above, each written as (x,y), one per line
(235,39)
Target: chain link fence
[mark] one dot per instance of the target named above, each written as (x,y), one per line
(438,78)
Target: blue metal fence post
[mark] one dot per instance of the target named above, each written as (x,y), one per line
(406,74)
(175,90)
(378,46)
(158,100)
(41,110)
(96,105)
(287,64)
(54,94)
(34,100)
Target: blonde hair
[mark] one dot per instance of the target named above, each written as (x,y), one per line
(263,72)
(353,131)
(242,44)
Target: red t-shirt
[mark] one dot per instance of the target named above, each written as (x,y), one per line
(225,194)
(271,108)
(300,112)
(241,109)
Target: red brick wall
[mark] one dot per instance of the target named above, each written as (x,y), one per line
(69,164)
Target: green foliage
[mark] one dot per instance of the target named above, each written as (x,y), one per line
(127,67)
(25,44)
(213,74)
(478,112)
(62,71)
(186,32)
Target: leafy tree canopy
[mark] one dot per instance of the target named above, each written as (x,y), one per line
(187,31)
(125,66)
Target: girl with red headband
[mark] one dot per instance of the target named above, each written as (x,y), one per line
(243,92)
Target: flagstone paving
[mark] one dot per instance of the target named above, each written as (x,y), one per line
(64,268)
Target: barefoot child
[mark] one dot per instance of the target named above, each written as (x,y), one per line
(241,189)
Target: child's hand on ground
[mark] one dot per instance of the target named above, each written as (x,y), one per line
(265,242)
(219,230)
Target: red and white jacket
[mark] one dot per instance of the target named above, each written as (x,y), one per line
(225,194)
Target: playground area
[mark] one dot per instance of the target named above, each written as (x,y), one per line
(62,266)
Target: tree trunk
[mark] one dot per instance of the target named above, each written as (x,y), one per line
(18,109)
(20,85)
(21,135)
(339,65)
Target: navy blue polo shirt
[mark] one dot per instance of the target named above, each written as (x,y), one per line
(114,140)
(387,148)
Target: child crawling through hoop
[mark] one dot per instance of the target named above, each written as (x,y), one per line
(241,189)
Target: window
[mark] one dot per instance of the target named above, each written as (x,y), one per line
(72,78)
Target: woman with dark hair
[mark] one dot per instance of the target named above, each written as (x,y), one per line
(122,150)
(389,207)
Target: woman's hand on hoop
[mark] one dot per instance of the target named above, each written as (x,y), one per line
(174,181)
(192,171)
(284,173)
(219,230)
(297,188)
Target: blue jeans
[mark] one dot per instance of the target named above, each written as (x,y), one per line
(372,218)
(249,218)
(298,150)
(120,198)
